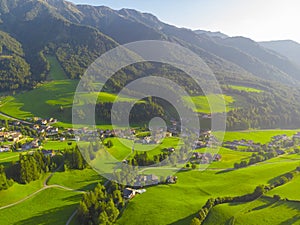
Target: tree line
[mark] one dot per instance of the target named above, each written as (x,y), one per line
(258,192)
(31,166)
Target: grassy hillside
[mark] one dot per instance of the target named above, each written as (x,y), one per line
(7,157)
(290,190)
(262,211)
(121,151)
(51,206)
(177,204)
(77,179)
(19,191)
(52,99)
(261,136)
(202,104)
(56,71)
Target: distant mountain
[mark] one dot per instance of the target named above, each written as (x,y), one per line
(41,29)
(211,33)
(287,48)
(32,30)
(129,25)
(78,34)
(270,62)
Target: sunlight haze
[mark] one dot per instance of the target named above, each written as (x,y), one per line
(259,20)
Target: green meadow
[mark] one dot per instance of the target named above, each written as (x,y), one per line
(262,211)
(7,157)
(122,148)
(261,136)
(19,191)
(289,190)
(243,88)
(51,206)
(56,71)
(84,180)
(229,157)
(178,204)
(201,103)
(58,145)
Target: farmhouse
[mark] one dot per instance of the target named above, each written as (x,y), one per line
(279,152)
(168,134)
(50,153)
(33,144)
(142,180)
(129,193)
(51,130)
(197,155)
(171,150)
(217,157)
(14,136)
(4,149)
(171,180)
(297,135)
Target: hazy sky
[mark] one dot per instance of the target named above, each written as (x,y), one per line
(258,19)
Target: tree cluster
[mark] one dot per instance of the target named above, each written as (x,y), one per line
(5,183)
(255,158)
(73,159)
(101,206)
(31,166)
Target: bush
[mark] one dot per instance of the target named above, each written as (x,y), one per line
(276,197)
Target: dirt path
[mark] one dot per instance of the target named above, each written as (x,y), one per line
(45,186)
(13,118)
(10,157)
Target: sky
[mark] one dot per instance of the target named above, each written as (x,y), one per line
(259,20)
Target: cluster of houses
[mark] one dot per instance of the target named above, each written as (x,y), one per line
(45,129)
(296,136)
(206,116)
(237,143)
(36,143)
(41,121)
(206,139)
(125,133)
(277,140)
(11,136)
(4,148)
(146,180)
(206,158)
(41,126)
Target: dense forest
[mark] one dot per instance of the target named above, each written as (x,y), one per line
(14,70)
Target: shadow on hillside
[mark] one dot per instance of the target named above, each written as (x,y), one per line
(273,180)
(73,199)
(186,220)
(88,187)
(291,220)
(225,171)
(267,204)
(56,216)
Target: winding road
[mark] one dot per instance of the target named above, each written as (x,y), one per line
(13,118)
(45,187)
